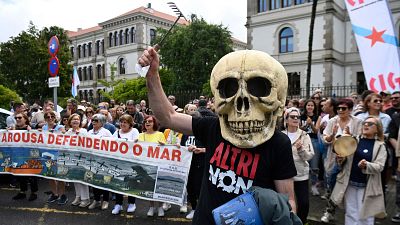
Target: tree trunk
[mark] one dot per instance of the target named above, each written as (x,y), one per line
(310,42)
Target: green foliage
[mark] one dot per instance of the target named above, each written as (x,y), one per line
(111,84)
(24,63)
(190,52)
(132,89)
(6,96)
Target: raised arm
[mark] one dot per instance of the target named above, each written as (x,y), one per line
(158,101)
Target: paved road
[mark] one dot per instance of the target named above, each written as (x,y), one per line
(23,212)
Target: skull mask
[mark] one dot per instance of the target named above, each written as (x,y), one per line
(250,92)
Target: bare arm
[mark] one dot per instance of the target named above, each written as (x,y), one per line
(286,187)
(158,100)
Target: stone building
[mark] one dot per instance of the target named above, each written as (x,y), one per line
(281,28)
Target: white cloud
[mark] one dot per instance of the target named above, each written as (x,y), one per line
(72,14)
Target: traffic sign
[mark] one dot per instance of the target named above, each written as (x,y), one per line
(53,46)
(54,66)
(54,82)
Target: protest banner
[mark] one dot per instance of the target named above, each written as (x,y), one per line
(144,170)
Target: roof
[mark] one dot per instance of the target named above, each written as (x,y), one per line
(155,13)
(82,31)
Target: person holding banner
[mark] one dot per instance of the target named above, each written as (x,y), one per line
(151,134)
(98,121)
(23,124)
(82,198)
(57,187)
(127,132)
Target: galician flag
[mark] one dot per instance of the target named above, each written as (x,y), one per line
(75,83)
(372,25)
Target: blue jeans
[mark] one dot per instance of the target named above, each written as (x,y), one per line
(315,161)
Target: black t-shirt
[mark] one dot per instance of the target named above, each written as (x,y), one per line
(230,171)
(307,128)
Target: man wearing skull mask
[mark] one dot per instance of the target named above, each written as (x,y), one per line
(243,147)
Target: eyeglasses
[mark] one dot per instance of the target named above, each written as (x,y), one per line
(148,121)
(51,117)
(294,117)
(342,108)
(377,101)
(18,117)
(64,119)
(95,120)
(368,124)
(394,98)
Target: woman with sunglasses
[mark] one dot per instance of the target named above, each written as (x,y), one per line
(373,107)
(57,187)
(89,112)
(151,134)
(81,190)
(303,151)
(358,185)
(309,122)
(126,132)
(98,121)
(343,123)
(64,120)
(23,124)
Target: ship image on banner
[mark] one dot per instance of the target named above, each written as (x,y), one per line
(377,43)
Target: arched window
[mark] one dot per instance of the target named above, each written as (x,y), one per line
(80,74)
(152,35)
(121,66)
(110,37)
(286,40)
(126,36)
(121,37)
(102,46)
(133,35)
(79,51)
(84,76)
(99,71)
(72,52)
(85,95)
(90,49)
(90,73)
(84,50)
(115,38)
(98,47)
(104,71)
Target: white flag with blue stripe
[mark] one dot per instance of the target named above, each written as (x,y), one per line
(75,83)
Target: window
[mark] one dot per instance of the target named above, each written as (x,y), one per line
(286,40)
(110,38)
(286,3)
(361,83)
(72,52)
(274,4)
(121,66)
(90,49)
(115,38)
(79,51)
(262,5)
(126,36)
(84,73)
(104,71)
(102,46)
(133,35)
(80,74)
(298,2)
(152,35)
(98,47)
(90,73)
(98,71)
(293,83)
(84,50)
(121,37)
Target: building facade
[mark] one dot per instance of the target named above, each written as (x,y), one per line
(281,28)
(119,41)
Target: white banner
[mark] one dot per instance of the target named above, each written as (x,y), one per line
(377,43)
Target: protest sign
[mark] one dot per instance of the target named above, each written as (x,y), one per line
(144,170)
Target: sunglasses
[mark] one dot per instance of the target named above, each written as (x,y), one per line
(394,98)
(148,121)
(368,124)
(18,117)
(377,101)
(294,117)
(342,108)
(95,120)
(51,117)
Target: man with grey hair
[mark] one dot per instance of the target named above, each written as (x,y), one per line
(137,116)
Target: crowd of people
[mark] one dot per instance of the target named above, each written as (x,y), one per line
(357,181)
(128,121)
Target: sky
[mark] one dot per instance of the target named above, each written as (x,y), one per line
(15,15)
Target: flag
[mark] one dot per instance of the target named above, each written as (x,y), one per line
(75,83)
(377,43)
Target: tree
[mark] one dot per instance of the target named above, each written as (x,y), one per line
(190,52)
(310,42)
(24,61)
(6,96)
(110,84)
